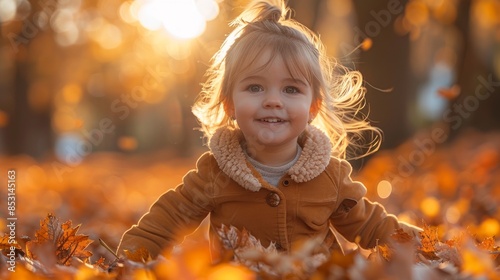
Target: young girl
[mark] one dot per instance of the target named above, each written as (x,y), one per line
(278,120)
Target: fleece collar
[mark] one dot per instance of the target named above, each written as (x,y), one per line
(226,147)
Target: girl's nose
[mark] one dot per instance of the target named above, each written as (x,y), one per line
(273,99)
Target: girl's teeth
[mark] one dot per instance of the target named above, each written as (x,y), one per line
(271,120)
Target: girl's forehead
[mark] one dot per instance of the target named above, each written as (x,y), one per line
(295,65)
(261,60)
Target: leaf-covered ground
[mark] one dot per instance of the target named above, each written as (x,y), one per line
(65,214)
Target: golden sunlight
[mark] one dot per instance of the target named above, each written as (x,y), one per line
(184,19)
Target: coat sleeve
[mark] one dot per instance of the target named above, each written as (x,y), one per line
(175,214)
(357,217)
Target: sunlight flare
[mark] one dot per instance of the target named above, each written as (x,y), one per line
(183,19)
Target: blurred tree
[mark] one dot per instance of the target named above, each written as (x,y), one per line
(27,96)
(478,69)
(386,66)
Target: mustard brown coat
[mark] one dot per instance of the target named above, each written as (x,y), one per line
(317,193)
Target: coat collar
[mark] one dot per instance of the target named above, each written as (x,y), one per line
(226,147)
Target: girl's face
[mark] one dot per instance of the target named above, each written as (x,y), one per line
(271,107)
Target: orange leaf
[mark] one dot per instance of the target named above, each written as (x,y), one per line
(64,239)
(140,255)
(401,236)
(487,244)
(384,251)
(4,243)
(429,238)
(101,264)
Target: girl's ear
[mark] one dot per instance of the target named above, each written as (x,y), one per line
(313,111)
(229,108)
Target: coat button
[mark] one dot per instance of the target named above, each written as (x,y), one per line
(273,199)
(286,183)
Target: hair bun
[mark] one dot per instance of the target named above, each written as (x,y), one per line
(264,10)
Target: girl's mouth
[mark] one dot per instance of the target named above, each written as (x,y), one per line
(271,120)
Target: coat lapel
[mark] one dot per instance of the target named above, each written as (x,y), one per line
(226,147)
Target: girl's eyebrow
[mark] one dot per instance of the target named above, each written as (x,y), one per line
(253,77)
(300,81)
(288,80)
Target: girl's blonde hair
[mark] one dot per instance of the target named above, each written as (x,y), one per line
(338,92)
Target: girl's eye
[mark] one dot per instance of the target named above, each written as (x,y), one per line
(291,90)
(254,88)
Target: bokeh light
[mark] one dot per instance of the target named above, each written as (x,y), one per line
(490,227)
(7,10)
(430,207)
(127,143)
(209,9)
(486,12)
(417,12)
(183,19)
(384,189)
(452,215)
(72,93)
(109,36)
(4,118)
(127,11)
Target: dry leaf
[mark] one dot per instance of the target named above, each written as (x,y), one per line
(141,255)
(384,251)
(6,243)
(62,238)
(402,236)
(429,238)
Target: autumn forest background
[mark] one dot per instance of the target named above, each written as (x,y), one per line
(95,101)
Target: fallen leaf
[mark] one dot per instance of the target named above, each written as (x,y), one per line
(429,238)
(141,255)
(402,236)
(62,237)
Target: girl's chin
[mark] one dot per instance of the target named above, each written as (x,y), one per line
(268,136)
(275,138)
(272,135)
